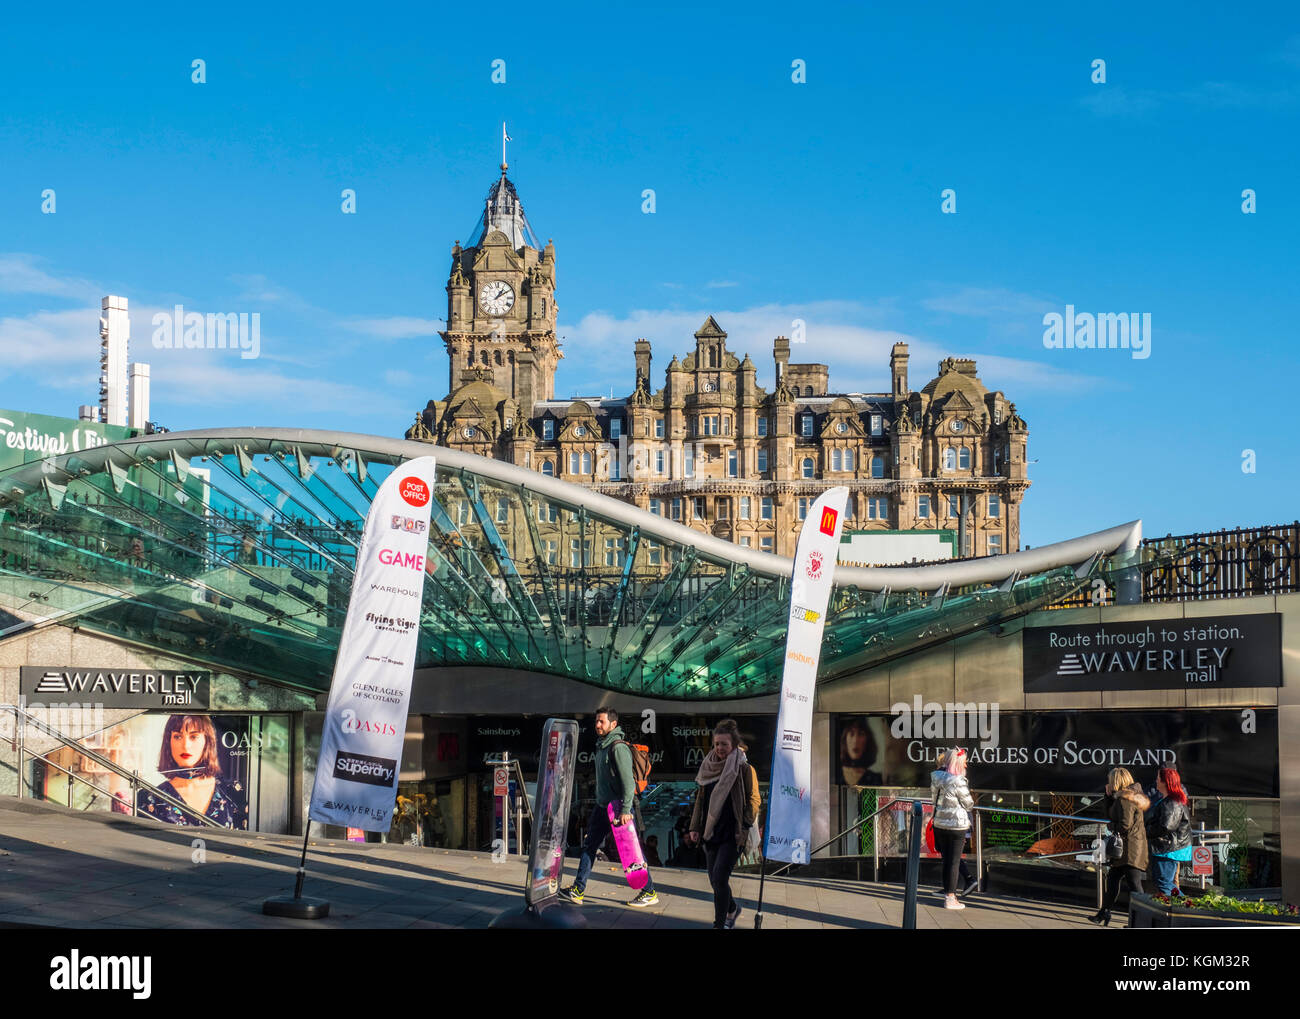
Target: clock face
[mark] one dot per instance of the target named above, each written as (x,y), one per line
(496,297)
(957,426)
(468,432)
(579,431)
(841,428)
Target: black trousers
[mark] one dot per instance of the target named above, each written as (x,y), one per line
(1119,875)
(950,844)
(721,860)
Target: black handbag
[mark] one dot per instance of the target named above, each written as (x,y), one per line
(1115,846)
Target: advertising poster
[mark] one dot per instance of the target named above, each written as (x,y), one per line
(789,829)
(232,769)
(365,719)
(551,809)
(1220,752)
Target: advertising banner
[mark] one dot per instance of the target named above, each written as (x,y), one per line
(789,831)
(116,688)
(26,437)
(1217,751)
(551,809)
(365,719)
(1194,653)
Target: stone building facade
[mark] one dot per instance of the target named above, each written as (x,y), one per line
(710,447)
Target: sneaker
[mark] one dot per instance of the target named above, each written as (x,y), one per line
(950,902)
(971,886)
(573,894)
(732,918)
(645,899)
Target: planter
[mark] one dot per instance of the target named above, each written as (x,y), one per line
(1144,911)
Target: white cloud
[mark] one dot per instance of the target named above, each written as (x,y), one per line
(22,274)
(714,284)
(991,303)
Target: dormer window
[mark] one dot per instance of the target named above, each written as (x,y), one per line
(807,425)
(548,428)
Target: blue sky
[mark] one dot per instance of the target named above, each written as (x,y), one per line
(774,201)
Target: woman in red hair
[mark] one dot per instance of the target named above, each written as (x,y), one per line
(1169,831)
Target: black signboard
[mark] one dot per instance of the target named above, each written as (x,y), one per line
(1012,831)
(1217,752)
(1195,653)
(116,688)
(678,744)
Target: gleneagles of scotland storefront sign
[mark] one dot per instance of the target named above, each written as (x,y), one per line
(1156,654)
(115,688)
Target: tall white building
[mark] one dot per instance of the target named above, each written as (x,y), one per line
(114,338)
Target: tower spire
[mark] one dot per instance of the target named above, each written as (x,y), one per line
(504,138)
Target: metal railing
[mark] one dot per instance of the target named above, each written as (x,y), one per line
(23,718)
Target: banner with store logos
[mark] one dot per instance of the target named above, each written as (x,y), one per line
(365,717)
(1192,653)
(789,819)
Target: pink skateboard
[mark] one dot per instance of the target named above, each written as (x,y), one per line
(629,850)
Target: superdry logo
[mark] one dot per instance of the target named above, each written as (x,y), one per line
(794,792)
(406,560)
(414,491)
(791,740)
(401,523)
(801,614)
(814,567)
(367,770)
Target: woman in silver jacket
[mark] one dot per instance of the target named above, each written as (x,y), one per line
(952,801)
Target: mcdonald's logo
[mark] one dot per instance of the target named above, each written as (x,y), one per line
(829,516)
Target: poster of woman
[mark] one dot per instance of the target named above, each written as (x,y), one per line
(862,743)
(190,770)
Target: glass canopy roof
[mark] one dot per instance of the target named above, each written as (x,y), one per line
(236,548)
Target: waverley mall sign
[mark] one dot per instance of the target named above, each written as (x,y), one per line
(116,688)
(1157,654)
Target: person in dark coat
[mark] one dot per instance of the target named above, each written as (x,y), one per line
(1169,831)
(1125,804)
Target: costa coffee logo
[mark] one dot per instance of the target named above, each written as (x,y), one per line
(414,491)
(814,567)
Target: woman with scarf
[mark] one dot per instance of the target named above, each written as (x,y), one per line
(723,815)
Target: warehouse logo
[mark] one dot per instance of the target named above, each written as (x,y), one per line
(74,972)
(367,770)
(932,720)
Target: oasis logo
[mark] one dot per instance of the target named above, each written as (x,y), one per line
(408,524)
(363,769)
(414,491)
(814,567)
(407,560)
(351,723)
(794,792)
(791,740)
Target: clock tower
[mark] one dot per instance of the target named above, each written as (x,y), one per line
(501,304)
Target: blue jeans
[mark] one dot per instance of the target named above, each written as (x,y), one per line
(597,832)
(1165,872)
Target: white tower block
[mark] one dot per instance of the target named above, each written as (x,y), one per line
(114,337)
(139,396)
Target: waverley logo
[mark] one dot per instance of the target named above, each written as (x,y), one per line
(75,972)
(932,720)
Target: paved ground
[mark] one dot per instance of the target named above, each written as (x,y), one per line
(65,869)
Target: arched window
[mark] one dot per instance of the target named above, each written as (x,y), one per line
(548,469)
(877,466)
(963,458)
(949,459)
(808,467)
(499,360)
(586,463)
(483,356)
(807,390)
(848,459)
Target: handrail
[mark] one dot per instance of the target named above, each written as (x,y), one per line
(853,827)
(136,781)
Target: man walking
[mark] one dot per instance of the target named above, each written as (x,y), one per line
(616,784)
